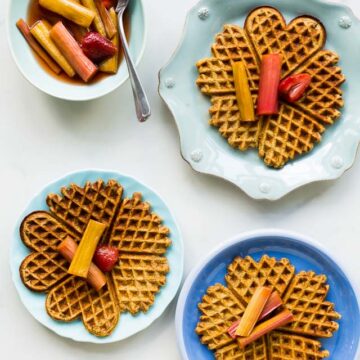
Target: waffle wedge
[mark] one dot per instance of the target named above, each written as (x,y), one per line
(323,100)
(137,230)
(306,299)
(74,298)
(77,205)
(137,278)
(254,351)
(245,275)
(287,135)
(219,308)
(283,346)
(44,267)
(296,42)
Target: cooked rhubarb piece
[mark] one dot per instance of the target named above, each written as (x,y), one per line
(72,52)
(106,257)
(97,48)
(106,19)
(243,94)
(111,65)
(81,262)
(273,323)
(98,24)
(41,32)
(253,311)
(294,87)
(95,277)
(273,303)
(270,74)
(25,31)
(70,10)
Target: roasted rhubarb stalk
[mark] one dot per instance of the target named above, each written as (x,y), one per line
(243,93)
(95,277)
(72,52)
(106,19)
(270,74)
(273,303)
(41,32)
(70,10)
(253,311)
(294,87)
(25,31)
(81,262)
(111,65)
(273,323)
(98,24)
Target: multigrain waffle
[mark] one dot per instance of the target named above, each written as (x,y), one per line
(283,346)
(219,308)
(298,127)
(304,294)
(132,227)
(305,298)
(254,351)
(245,275)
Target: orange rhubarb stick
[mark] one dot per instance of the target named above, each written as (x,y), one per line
(273,323)
(253,311)
(272,304)
(72,52)
(106,19)
(25,31)
(270,74)
(95,277)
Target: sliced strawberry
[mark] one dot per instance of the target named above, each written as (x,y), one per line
(96,47)
(106,257)
(293,87)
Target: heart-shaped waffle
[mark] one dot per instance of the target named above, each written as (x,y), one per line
(303,294)
(297,127)
(138,234)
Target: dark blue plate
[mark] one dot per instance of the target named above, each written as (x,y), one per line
(304,254)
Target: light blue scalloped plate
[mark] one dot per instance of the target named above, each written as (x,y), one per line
(36,75)
(203,147)
(128,325)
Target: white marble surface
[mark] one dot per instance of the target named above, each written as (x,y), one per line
(42,138)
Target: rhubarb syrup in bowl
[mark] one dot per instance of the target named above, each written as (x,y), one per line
(36,13)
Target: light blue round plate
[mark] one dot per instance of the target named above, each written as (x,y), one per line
(128,325)
(204,148)
(304,254)
(36,75)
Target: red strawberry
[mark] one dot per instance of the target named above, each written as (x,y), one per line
(96,47)
(106,257)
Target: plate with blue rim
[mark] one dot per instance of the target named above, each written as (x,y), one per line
(305,254)
(204,148)
(128,324)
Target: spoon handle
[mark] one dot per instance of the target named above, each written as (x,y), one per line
(142,105)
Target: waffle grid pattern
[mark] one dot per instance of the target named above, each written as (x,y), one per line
(297,127)
(304,294)
(138,233)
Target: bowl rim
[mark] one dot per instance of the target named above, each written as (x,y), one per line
(63,95)
(14,270)
(278,232)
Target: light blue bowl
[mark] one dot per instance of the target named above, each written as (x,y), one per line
(304,254)
(208,152)
(30,68)
(128,325)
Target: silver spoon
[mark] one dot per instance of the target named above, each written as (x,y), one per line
(142,105)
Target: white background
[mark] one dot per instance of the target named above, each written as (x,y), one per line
(42,138)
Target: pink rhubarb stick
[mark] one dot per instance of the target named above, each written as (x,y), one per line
(72,52)
(270,74)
